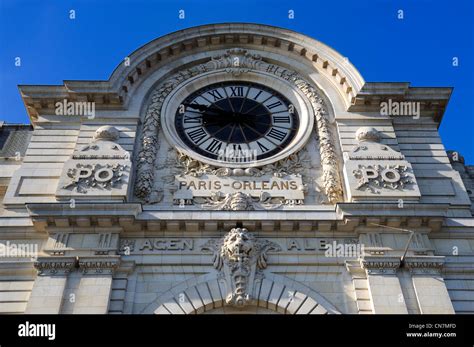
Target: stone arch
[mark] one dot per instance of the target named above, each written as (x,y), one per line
(165,49)
(276,293)
(149,142)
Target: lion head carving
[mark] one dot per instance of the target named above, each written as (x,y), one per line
(238,245)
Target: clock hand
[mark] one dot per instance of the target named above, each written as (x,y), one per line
(213,118)
(219,115)
(204,108)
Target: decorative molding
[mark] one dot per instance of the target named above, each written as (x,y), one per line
(103,146)
(235,61)
(369,147)
(55,265)
(380,265)
(98,265)
(240,202)
(239,257)
(431,265)
(374,151)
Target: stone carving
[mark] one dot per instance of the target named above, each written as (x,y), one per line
(239,257)
(152,125)
(378,176)
(85,176)
(235,61)
(240,202)
(290,168)
(55,265)
(107,133)
(380,264)
(369,147)
(99,265)
(99,169)
(424,264)
(367,134)
(329,159)
(376,171)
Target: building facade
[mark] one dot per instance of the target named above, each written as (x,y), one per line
(234,168)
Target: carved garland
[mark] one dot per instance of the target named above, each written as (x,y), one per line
(235,61)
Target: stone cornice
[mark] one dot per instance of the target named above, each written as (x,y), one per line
(55,265)
(99,265)
(424,265)
(83,209)
(433,101)
(375,265)
(348,217)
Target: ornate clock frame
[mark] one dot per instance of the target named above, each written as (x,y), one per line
(241,64)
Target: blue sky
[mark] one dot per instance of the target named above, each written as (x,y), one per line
(418,49)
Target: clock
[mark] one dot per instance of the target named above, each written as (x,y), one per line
(236,121)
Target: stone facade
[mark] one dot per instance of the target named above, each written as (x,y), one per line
(366,213)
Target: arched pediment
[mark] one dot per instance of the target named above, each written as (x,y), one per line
(161,53)
(207,38)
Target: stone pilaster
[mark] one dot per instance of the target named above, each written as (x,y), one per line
(431,292)
(47,293)
(95,284)
(384,286)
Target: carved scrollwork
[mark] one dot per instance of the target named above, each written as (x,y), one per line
(240,202)
(237,61)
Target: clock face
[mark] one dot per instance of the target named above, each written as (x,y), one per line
(236,122)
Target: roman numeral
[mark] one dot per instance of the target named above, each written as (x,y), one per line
(197,135)
(237,147)
(275,104)
(188,119)
(237,91)
(258,94)
(214,146)
(276,134)
(262,147)
(281,119)
(215,94)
